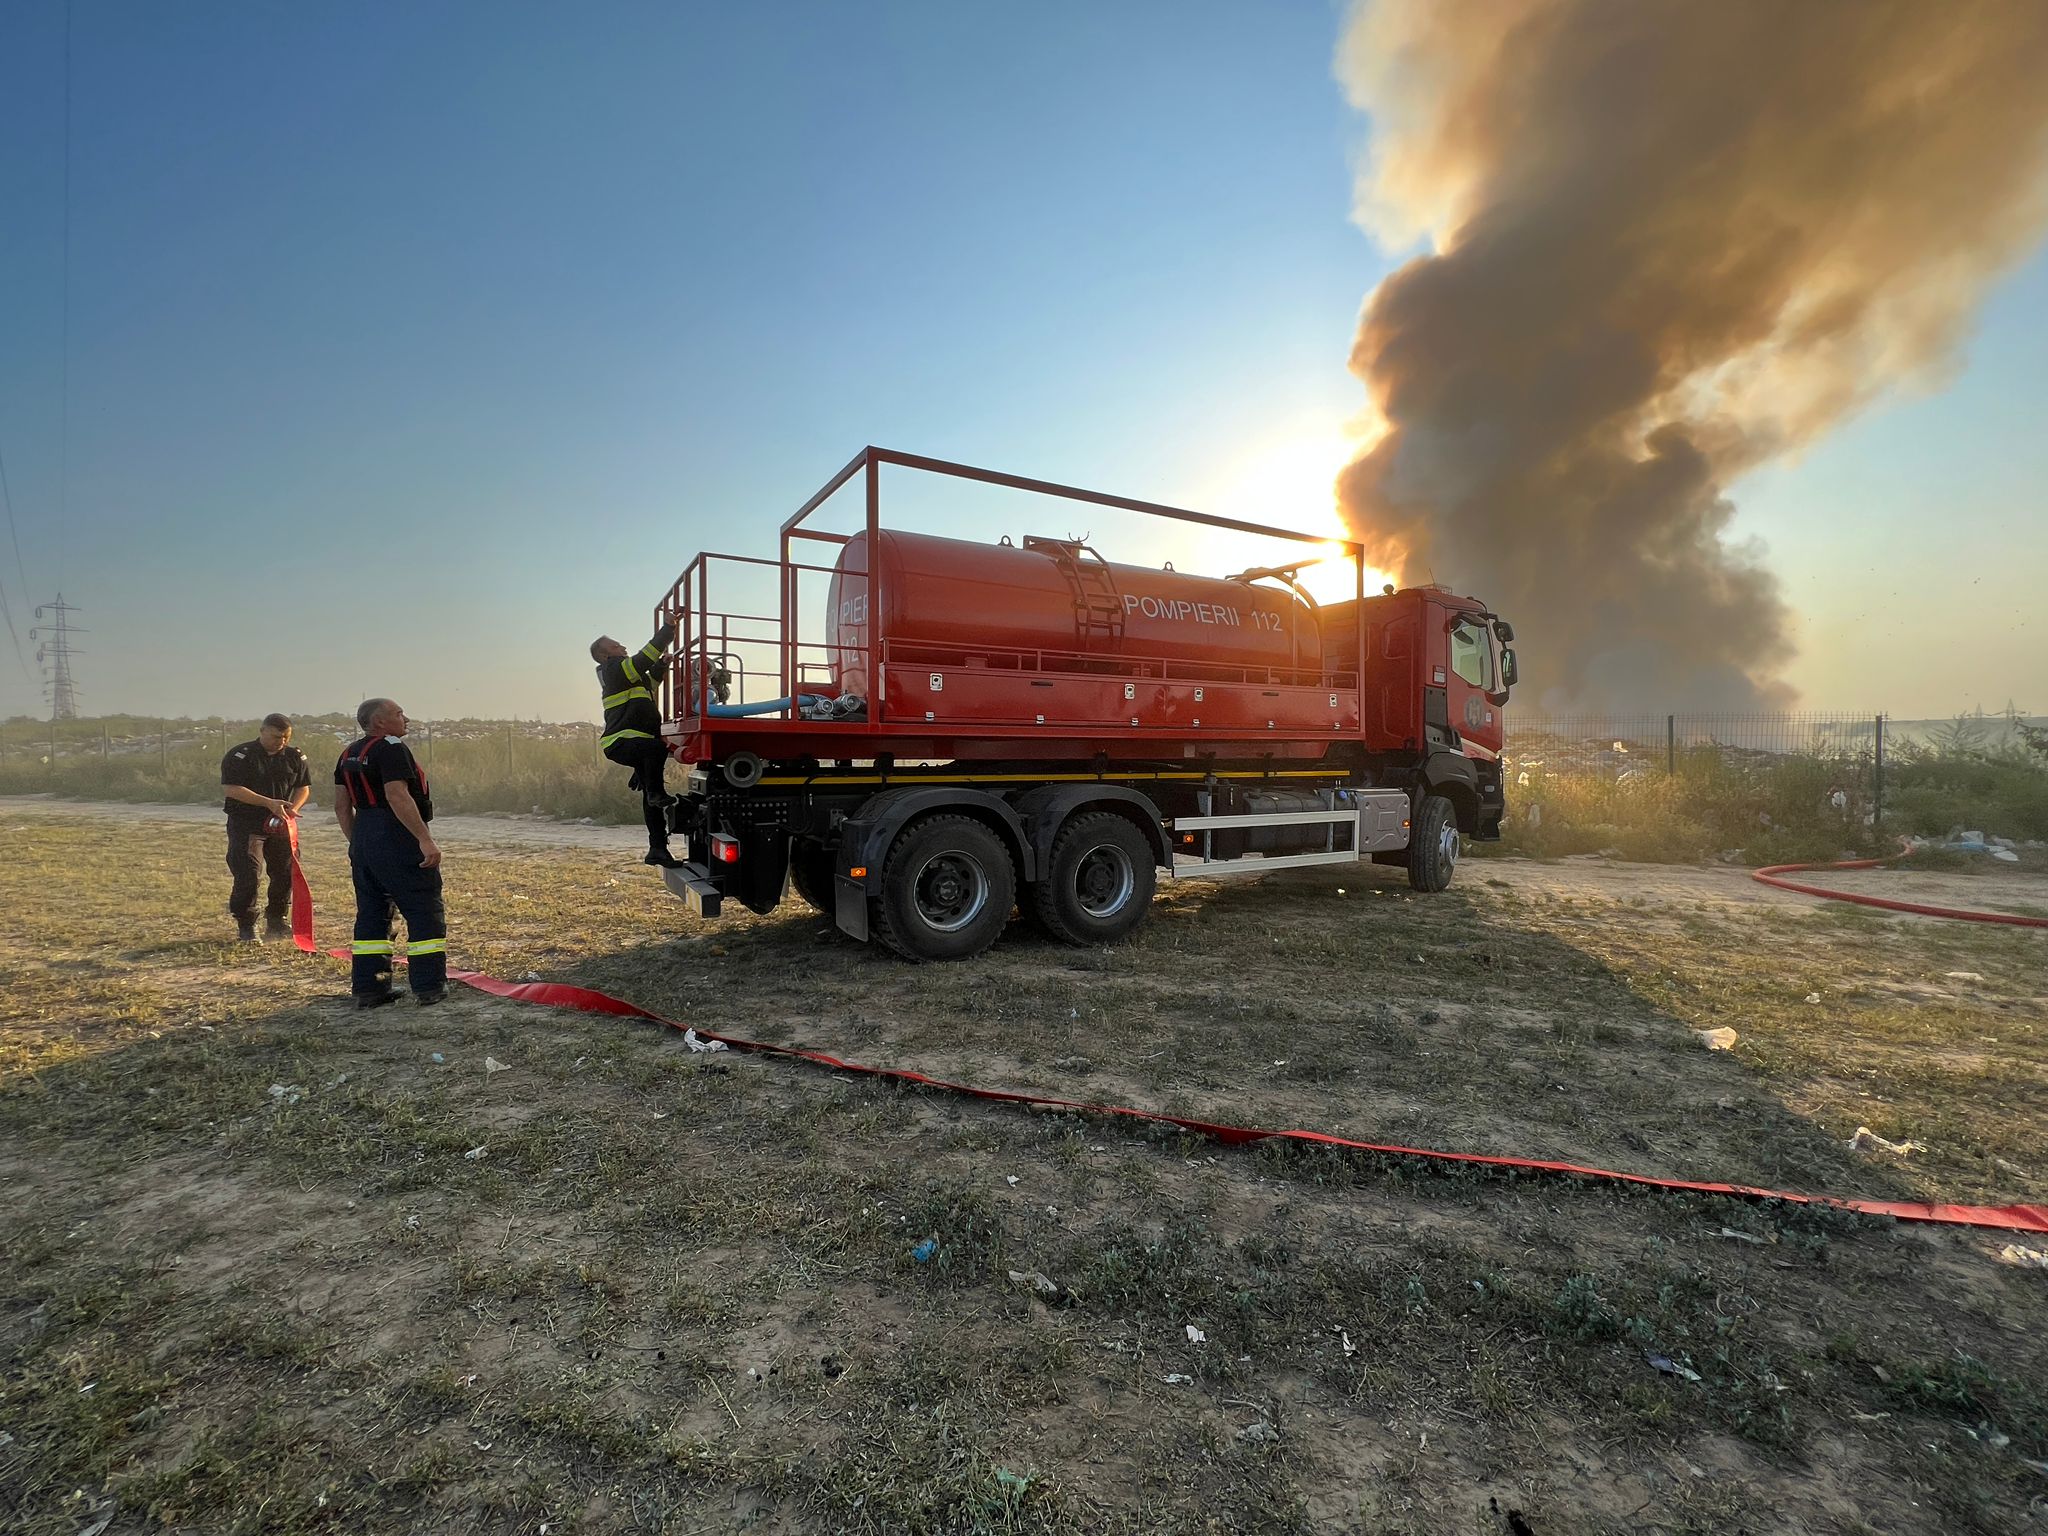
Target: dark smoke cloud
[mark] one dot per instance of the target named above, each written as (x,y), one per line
(1672,241)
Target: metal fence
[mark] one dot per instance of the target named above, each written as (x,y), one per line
(1850,747)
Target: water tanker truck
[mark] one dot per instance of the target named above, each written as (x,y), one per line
(951,729)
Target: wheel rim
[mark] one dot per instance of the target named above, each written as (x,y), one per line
(950,889)
(1104,880)
(1448,842)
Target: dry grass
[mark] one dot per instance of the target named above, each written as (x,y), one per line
(676,1292)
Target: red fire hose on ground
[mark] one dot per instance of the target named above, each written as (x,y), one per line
(1769,874)
(2006,1218)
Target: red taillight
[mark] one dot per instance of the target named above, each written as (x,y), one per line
(725,848)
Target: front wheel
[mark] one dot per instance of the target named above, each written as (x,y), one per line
(1098,880)
(947,889)
(1433,845)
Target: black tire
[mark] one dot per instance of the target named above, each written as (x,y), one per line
(946,892)
(810,873)
(1433,845)
(1098,880)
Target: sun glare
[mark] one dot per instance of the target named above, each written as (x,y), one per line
(1290,483)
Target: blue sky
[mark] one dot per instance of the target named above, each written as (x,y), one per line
(412,345)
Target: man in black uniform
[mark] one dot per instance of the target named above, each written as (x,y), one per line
(632,728)
(266,781)
(381,801)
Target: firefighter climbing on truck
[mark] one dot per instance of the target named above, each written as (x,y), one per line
(632,729)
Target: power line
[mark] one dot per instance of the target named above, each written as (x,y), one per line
(64,333)
(6,609)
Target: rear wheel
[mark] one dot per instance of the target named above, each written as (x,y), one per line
(1098,880)
(947,889)
(810,872)
(1433,845)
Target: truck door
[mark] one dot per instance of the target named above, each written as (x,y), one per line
(1473,672)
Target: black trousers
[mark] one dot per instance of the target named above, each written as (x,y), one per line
(252,851)
(384,858)
(649,762)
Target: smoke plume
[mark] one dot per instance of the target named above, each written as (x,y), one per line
(1671,242)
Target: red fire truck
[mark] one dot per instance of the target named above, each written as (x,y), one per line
(959,729)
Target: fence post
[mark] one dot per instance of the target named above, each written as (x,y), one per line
(430,743)
(53,746)
(163,748)
(1671,744)
(103,741)
(1877,778)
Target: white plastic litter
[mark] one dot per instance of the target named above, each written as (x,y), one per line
(1010,1179)
(1813,997)
(493,1066)
(1196,1336)
(477,1154)
(1176,1379)
(695,1043)
(1962,975)
(1722,1039)
(1867,1140)
(1350,1348)
(285,1095)
(2026,1258)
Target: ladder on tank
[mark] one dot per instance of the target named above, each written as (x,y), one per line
(1098,602)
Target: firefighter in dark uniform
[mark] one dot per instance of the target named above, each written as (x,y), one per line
(632,729)
(266,781)
(381,801)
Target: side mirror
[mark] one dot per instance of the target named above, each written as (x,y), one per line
(1505,631)
(1510,674)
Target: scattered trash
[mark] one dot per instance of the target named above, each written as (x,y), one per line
(1011,1180)
(439,1059)
(1991,1435)
(1867,1140)
(482,1445)
(1671,1367)
(285,1095)
(1178,1379)
(476,1154)
(1722,1039)
(1742,1237)
(466,1381)
(661,1114)
(1350,1348)
(2026,1258)
(1259,1432)
(697,1043)
(493,1066)
(1036,1282)
(1962,975)
(412,1223)
(1813,997)
(925,1249)
(1196,1336)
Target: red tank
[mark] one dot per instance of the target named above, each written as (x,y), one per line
(1053,605)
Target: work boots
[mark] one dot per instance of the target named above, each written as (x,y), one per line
(277,928)
(661,858)
(245,931)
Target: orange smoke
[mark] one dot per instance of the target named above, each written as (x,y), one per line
(1671,243)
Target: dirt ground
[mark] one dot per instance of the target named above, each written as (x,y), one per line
(271,1265)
